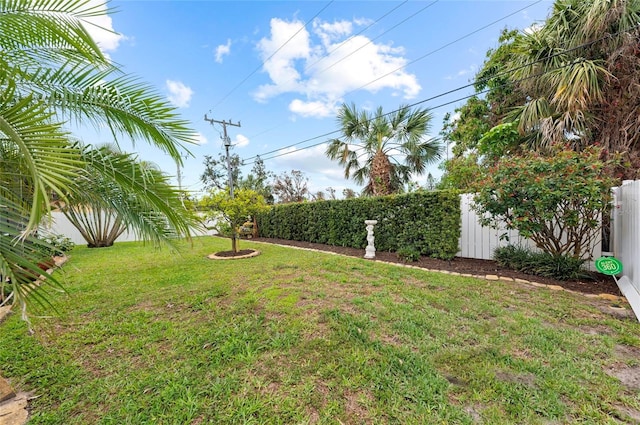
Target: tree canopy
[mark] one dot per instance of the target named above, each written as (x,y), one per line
(382,150)
(53,75)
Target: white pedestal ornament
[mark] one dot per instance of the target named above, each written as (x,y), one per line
(370,250)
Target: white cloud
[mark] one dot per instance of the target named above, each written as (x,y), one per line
(179,94)
(314,108)
(471,70)
(533,28)
(353,63)
(201,139)
(240,141)
(322,172)
(311,160)
(101,28)
(223,50)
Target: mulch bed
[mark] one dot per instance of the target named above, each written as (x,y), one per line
(230,254)
(596,283)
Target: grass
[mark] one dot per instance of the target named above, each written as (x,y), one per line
(299,337)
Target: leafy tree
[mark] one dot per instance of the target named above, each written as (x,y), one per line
(54,73)
(291,187)
(383,151)
(555,200)
(258,180)
(580,73)
(462,173)
(349,193)
(468,129)
(216,173)
(469,125)
(237,210)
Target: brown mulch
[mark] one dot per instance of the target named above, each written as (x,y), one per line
(596,283)
(229,254)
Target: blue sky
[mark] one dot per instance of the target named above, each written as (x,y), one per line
(282,68)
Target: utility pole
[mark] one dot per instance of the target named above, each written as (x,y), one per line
(227,145)
(180,181)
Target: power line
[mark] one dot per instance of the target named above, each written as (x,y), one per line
(272,55)
(447,45)
(423,101)
(326,55)
(374,39)
(485,79)
(426,54)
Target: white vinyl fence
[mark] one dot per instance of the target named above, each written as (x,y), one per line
(60,225)
(626,239)
(477,241)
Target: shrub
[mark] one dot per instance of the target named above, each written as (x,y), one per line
(408,254)
(59,245)
(560,267)
(427,221)
(556,200)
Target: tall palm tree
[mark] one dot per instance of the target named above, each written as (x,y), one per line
(581,74)
(52,73)
(382,150)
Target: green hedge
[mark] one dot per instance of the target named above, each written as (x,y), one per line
(429,222)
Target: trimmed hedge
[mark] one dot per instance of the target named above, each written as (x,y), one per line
(427,222)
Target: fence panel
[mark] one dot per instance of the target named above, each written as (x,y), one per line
(626,239)
(477,241)
(626,228)
(59,224)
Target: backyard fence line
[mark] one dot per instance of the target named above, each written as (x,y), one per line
(625,219)
(59,224)
(476,241)
(480,242)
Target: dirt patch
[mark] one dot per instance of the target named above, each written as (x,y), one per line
(525,379)
(628,376)
(596,283)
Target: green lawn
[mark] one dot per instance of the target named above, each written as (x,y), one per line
(299,337)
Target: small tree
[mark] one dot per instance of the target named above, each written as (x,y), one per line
(291,187)
(236,210)
(556,201)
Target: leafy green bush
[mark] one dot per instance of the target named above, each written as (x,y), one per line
(59,245)
(408,254)
(513,257)
(560,267)
(427,221)
(555,200)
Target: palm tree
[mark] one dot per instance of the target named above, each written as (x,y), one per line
(53,73)
(580,73)
(127,194)
(383,150)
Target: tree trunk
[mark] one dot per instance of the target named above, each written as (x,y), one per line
(381,174)
(234,241)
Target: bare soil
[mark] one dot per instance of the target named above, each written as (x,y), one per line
(596,283)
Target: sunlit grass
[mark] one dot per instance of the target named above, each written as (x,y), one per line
(291,336)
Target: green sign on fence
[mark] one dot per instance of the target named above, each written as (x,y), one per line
(609,265)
